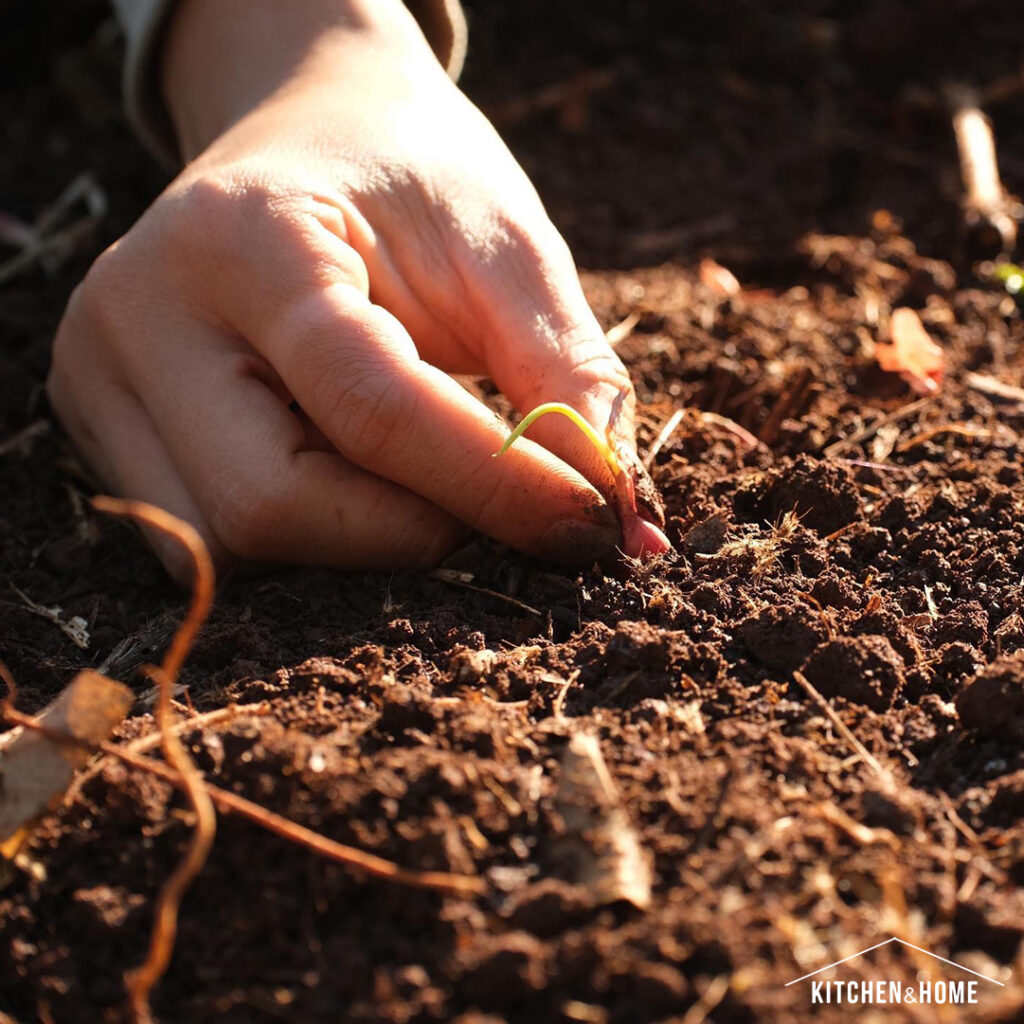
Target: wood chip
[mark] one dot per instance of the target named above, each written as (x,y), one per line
(599,837)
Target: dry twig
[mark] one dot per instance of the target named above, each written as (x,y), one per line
(732,427)
(218,716)
(618,333)
(975,433)
(869,431)
(671,424)
(986,205)
(458,579)
(47,242)
(75,628)
(569,97)
(994,388)
(348,856)
(858,748)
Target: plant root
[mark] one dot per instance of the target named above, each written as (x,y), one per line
(141,981)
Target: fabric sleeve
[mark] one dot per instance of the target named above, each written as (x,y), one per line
(145,22)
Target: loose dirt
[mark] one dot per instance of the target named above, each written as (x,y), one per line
(427,723)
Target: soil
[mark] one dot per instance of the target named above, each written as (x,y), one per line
(796,144)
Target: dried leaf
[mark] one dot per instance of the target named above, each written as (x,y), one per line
(75,628)
(599,838)
(912,353)
(36,770)
(689,717)
(719,279)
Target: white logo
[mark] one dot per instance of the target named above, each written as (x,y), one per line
(960,992)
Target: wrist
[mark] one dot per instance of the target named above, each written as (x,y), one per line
(224,59)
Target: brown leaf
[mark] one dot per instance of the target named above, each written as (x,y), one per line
(912,353)
(719,279)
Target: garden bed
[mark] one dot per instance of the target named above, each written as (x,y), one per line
(851,540)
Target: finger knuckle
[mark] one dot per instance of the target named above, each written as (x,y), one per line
(236,216)
(248,517)
(94,305)
(352,385)
(586,362)
(358,413)
(594,365)
(205,216)
(219,212)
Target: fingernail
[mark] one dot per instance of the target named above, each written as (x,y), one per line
(644,540)
(576,542)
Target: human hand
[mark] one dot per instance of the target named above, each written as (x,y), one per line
(267,352)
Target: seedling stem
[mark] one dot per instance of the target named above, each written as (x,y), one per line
(606,450)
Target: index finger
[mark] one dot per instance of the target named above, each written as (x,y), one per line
(356,373)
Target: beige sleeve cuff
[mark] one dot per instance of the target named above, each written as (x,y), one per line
(145,21)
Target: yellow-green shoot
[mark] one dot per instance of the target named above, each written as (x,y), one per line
(606,450)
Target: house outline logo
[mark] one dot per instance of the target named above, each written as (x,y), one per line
(883,992)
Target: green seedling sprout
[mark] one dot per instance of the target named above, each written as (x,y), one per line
(1011,276)
(606,450)
(639,536)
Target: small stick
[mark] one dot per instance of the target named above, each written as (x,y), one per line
(947,428)
(1004,88)
(671,424)
(617,334)
(448,576)
(23,439)
(709,1001)
(877,466)
(865,755)
(732,427)
(74,627)
(558,706)
(857,831)
(995,388)
(788,402)
(869,432)
(567,95)
(215,717)
(153,739)
(985,202)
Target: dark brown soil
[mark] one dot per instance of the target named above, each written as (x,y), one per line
(425,722)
